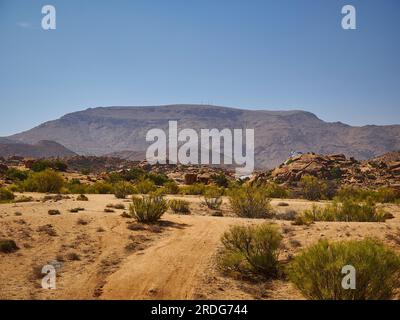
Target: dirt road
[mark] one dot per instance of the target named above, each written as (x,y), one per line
(173,267)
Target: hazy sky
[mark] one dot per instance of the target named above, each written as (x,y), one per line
(286,54)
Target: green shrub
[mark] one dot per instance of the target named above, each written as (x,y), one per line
(157,179)
(381,195)
(101,187)
(179,206)
(44,181)
(148,209)
(220,180)
(134,174)
(123,189)
(14,174)
(43,164)
(250,202)
(317,271)
(114,177)
(194,189)
(312,188)
(76,187)
(8,246)
(274,190)
(171,187)
(6,195)
(348,210)
(252,249)
(145,186)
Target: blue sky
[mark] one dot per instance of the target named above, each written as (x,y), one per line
(259,54)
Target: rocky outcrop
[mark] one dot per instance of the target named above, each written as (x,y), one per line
(346,171)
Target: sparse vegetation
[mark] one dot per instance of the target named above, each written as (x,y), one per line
(381,195)
(179,206)
(348,210)
(148,209)
(317,270)
(250,202)
(194,189)
(253,249)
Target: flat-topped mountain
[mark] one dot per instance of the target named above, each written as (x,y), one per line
(105,130)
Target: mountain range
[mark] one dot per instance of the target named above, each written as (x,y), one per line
(121,131)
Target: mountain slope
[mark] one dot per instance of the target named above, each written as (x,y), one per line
(42,149)
(113,129)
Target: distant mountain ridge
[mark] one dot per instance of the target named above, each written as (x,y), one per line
(113,130)
(41,149)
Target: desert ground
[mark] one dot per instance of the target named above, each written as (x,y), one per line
(103,255)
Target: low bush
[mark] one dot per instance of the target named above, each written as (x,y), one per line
(274,190)
(16,174)
(212,197)
(8,246)
(157,179)
(54,212)
(101,187)
(179,206)
(6,195)
(82,197)
(47,181)
(145,186)
(44,164)
(317,271)
(148,209)
(76,187)
(250,202)
(381,195)
(252,249)
(123,189)
(220,180)
(171,187)
(194,189)
(348,210)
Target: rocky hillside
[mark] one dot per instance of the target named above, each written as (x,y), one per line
(380,171)
(110,130)
(41,149)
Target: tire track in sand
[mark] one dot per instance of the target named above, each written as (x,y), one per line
(172,267)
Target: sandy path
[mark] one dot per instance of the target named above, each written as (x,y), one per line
(171,268)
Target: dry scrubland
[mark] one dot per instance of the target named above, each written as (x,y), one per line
(107,255)
(170,232)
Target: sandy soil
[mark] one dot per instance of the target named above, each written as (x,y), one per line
(173,260)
